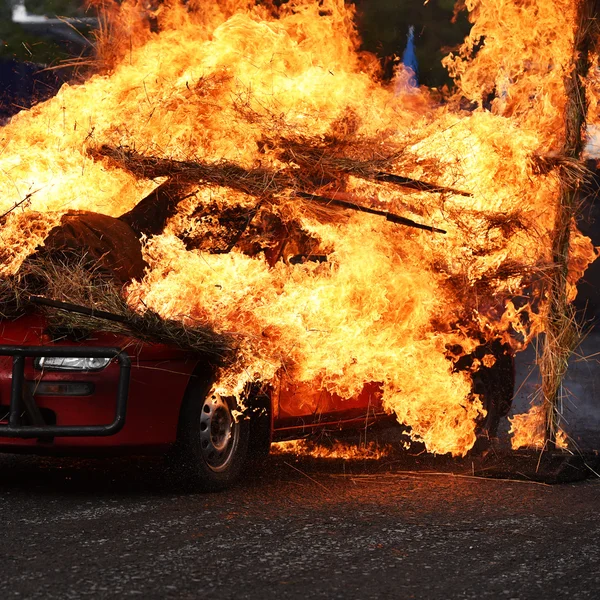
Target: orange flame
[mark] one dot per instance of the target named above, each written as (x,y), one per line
(229,81)
(529,430)
(370,451)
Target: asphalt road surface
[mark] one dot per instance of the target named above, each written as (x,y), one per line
(297,528)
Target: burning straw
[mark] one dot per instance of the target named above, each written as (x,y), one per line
(253,134)
(562,335)
(316,170)
(79,297)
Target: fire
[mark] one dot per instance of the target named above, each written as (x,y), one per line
(518,53)
(269,89)
(370,451)
(529,430)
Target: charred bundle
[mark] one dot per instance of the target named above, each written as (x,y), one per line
(318,171)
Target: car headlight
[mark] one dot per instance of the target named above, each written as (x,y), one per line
(71,363)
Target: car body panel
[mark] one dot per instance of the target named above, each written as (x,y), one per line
(300,409)
(159,377)
(158,380)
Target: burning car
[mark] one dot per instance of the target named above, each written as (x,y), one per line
(107,393)
(302,230)
(83,387)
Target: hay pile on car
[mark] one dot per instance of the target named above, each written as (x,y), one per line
(79,295)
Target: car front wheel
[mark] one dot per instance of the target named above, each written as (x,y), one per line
(212,440)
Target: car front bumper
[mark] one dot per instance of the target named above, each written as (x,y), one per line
(22,401)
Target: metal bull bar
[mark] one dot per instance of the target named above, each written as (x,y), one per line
(14,428)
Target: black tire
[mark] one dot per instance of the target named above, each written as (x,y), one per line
(495,385)
(212,445)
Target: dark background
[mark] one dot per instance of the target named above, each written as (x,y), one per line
(36,59)
(384,27)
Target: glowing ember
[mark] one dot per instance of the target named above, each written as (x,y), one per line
(284,96)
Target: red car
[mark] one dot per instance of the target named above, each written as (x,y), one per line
(110,393)
(64,393)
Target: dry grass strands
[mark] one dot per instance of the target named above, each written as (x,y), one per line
(318,169)
(70,278)
(360,158)
(561,333)
(570,170)
(256,182)
(259,182)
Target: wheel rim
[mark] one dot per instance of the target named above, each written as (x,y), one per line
(219,433)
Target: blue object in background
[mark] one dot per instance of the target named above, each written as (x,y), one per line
(409,58)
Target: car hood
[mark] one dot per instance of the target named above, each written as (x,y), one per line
(32,330)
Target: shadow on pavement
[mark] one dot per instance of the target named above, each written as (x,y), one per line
(134,476)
